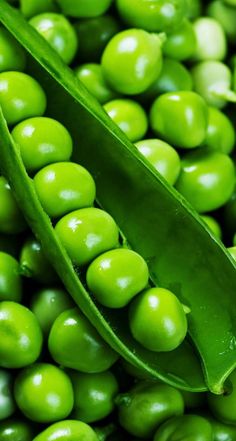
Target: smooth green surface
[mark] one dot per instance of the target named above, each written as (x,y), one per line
(91,75)
(12,54)
(29,8)
(16,430)
(208,29)
(11,217)
(220,134)
(7,402)
(225,15)
(67,430)
(223,406)
(10,279)
(84,8)
(34,263)
(44,393)
(181,43)
(186,427)
(167,248)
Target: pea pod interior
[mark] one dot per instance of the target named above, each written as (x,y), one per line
(157,222)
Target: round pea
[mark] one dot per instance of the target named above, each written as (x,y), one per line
(162,156)
(30,8)
(84,8)
(12,55)
(181,42)
(58,32)
(220,134)
(157,320)
(132,60)
(192,427)
(42,141)
(11,218)
(73,330)
(21,96)
(34,263)
(213,225)
(44,393)
(206,180)
(91,75)
(142,409)
(225,15)
(47,304)
(7,402)
(86,233)
(194,8)
(21,336)
(67,430)
(129,116)
(223,406)
(154,15)
(221,431)
(16,430)
(10,280)
(211,39)
(116,276)
(190,114)
(94,395)
(63,187)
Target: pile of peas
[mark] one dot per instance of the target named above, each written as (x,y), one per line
(170,60)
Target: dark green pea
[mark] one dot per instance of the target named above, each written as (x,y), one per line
(94,395)
(10,280)
(174,76)
(213,80)
(181,43)
(194,8)
(47,304)
(146,406)
(30,8)
(11,218)
(185,427)
(223,406)
(34,263)
(225,15)
(67,430)
(16,430)
(84,8)
(220,134)
(7,402)
(221,431)
(91,75)
(12,55)
(75,343)
(93,35)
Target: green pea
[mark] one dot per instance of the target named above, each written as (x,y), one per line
(16,430)
(220,134)
(94,395)
(75,343)
(157,320)
(207,179)
(223,406)
(86,233)
(225,15)
(47,304)
(11,218)
(94,34)
(213,225)
(132,60)
(154,15)
(42,141)
(91,75)
(194,8)
(212,80)
(181,43)
(63,187)
(58,32)
(21,336)
(146,406)
(67,430)
(12,55)
(221,431)
(29,8)
(21,96)
(84,8)
(190,114)
(7,403)
(211,39)
(44,393)
(129,116)
(173,77)
(162,156)
(185,427)
(35,264)
(10,280)
(116,276)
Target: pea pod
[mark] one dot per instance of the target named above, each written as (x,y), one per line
(182,253)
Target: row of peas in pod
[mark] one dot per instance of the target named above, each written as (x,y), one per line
(172,60)
(67,192)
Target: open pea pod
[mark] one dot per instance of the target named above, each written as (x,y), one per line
(157,222)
